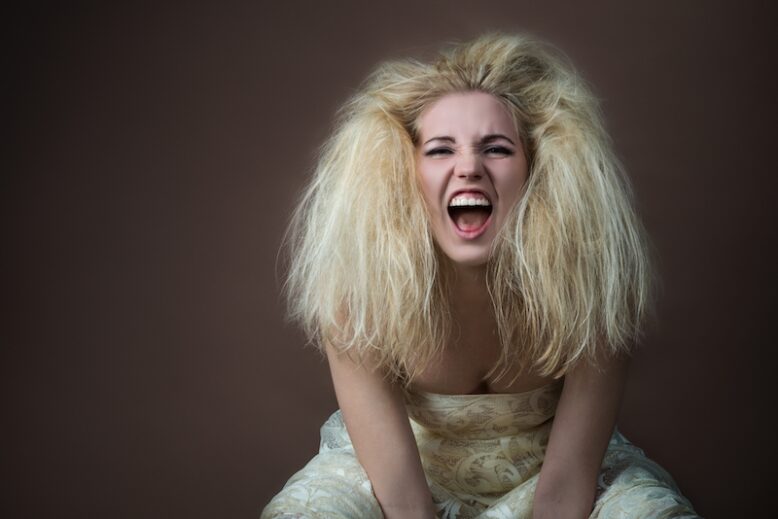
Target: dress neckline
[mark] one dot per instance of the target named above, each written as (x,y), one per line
(546,387)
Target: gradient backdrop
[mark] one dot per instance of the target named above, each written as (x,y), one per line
(155,153)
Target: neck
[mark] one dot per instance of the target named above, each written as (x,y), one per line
(472,311)
(470,285)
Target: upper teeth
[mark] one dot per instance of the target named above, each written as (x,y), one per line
(466,200)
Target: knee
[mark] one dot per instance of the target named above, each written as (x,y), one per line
(638,487)
(337,489)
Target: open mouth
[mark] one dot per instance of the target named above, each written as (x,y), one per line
(470,212)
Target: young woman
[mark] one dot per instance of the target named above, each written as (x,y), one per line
(468,257)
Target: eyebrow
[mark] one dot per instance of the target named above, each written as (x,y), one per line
(442,138)
(495,136)
(486,138)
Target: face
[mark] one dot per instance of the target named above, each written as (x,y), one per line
(471,165)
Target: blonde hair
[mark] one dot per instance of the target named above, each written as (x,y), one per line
(569,274)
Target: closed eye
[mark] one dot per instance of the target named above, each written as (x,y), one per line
(497,150)
(438,151)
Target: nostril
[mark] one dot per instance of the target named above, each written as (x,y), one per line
(470,171)
(469,166)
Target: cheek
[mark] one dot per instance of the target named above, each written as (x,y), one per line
(518,185)
(431,187)
(513,187)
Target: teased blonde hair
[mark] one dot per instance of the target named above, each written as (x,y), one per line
(569,274)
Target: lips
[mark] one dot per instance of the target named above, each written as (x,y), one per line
(470,213)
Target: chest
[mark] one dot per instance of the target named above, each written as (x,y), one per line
(464,365)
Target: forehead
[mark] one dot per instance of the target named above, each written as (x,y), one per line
(466,115)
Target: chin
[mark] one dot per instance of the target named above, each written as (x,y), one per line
(467,258)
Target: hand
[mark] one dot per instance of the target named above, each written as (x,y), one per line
(559,510)
(423,511)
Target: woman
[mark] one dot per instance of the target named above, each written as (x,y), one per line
(467,255)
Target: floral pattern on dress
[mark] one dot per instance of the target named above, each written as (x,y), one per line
(482,456)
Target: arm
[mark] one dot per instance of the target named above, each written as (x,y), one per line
(377,422)
(584,422)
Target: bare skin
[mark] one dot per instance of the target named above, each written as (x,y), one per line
(474,348)
(377,422)
(376,419)
(471,144)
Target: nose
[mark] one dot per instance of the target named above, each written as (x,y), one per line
(469,166)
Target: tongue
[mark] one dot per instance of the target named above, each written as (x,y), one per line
(470,219)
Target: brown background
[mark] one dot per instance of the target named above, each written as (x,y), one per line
(153,158)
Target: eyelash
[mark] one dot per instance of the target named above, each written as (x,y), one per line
(489,150)
(499,150)
(434,152)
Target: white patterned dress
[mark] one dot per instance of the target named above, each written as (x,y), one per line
(482,456)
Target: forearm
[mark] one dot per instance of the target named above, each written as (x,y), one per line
(377,422)
(564,495)
(391,459)
(416,510)
(583,425)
